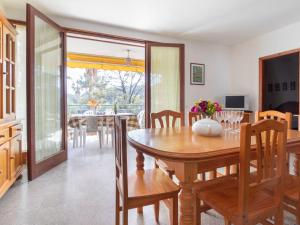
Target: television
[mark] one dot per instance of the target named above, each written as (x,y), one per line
(235,102)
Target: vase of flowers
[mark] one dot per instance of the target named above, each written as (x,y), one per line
(207,126)
(206,108)
(92,103)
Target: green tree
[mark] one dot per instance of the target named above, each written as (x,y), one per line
(90,86)
(129,86)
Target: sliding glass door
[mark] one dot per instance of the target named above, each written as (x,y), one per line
(46,93)
(165,77)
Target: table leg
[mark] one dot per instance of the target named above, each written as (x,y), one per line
(186,195)
(140,166)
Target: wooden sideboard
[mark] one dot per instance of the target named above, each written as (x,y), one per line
(10,129)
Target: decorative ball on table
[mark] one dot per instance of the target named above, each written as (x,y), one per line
(207,126)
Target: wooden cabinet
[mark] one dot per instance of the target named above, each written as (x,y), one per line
(4,170)
(10,129)
(15,156)
(11,162)
(8,78)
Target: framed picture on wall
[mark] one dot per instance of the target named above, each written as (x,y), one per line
(197,74)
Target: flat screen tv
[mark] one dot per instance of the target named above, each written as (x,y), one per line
(235,102)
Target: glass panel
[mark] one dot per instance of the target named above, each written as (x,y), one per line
(48,129)
(21,81)
(165,79)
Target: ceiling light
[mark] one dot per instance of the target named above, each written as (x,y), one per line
(128,59)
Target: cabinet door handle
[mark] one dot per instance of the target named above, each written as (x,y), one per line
(0,172)
(19,129)
(2,135)
(12,157)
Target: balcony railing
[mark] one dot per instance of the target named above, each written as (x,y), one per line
(105,108)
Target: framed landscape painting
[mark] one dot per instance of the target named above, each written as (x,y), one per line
(197,74)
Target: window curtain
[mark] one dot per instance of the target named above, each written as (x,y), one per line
(165,79)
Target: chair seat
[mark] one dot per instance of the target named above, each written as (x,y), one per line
(150,183)
(223,197)
(291,187)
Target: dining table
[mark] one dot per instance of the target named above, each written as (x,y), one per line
(76,120)
(189,154)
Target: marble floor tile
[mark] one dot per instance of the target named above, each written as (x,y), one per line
(79,191)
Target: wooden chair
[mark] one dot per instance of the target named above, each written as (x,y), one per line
(291,198)
(193,117)
(142,187)
(275,115)
(167,116)
(272,114)
(238,199)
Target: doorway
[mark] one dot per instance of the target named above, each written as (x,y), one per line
(47,64)
(105,78)
(279,83)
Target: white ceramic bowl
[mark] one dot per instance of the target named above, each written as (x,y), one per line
(207,127)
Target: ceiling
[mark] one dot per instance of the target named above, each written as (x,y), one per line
(227,22)
(104,47)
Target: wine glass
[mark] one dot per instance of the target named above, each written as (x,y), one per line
(239,119)
(219,117)
(231,120)
(226,120)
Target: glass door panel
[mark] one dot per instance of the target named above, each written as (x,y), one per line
(46,93)
(165,70)
(48,126)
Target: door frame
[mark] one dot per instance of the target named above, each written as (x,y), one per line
(261,73)
(34,170)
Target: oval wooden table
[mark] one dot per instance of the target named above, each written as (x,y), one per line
(189,154)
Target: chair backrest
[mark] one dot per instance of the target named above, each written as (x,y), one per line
(109,121)
(75,122)
(167,116)
(194,116)
(132,122)
(121,155)
(100,121)
(275,115)
(91,124)
(270,137)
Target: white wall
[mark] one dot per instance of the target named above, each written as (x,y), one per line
(215,57)
(1,7)
(245,67)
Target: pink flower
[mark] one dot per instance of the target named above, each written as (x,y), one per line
(195,109)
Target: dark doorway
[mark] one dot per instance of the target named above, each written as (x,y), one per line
(280,91)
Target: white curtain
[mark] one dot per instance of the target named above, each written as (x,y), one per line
(165,78)
(48,130)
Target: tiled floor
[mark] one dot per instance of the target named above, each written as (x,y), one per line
(78,192)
